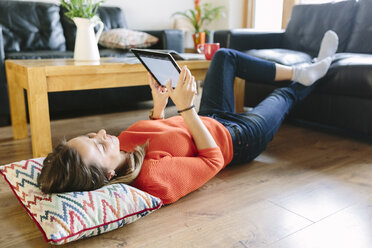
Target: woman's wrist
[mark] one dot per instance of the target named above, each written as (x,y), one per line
(157,111)
(156,115)
(186,109)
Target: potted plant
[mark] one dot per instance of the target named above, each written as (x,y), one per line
(84,15)
(201,15)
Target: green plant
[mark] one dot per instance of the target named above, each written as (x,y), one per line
(201,15)
(81,8)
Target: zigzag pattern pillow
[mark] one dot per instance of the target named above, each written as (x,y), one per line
(70,216)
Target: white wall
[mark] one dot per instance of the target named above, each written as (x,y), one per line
(151,14)
(268,14)
(235,14)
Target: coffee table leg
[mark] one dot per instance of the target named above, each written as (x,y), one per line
(17,105)
(239,90)
(38,106)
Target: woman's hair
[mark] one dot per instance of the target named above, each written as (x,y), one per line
(65,171)
(133,167)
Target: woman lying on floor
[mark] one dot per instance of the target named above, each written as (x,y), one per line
(170,158)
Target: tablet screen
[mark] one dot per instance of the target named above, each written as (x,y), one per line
(162,68)
(161,65)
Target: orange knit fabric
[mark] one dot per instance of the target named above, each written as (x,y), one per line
(173,167)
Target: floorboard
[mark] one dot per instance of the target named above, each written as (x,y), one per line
(308,189)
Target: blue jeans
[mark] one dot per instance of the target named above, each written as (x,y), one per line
(251,131)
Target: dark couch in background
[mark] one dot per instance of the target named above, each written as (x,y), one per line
(343,100)
(35,30)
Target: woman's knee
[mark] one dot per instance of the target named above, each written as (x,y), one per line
(222,53)
(285,93)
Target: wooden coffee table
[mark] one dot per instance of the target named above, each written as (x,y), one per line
(38,77)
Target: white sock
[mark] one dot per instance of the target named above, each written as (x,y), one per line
(309,73)
(328,46)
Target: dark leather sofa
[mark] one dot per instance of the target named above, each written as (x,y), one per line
(343,100)
(35,30)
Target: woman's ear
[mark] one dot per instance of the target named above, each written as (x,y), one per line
(110,174)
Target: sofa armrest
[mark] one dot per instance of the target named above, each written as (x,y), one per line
(221,36)
(170,39)
(246,39)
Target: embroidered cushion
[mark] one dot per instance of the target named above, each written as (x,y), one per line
(70,216)
(125,39)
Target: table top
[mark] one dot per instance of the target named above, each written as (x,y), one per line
(106,65)
(29,63)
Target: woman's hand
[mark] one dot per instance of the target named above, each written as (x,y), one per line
(184,93)
(159,96)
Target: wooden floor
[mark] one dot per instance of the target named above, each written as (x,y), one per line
(308,189)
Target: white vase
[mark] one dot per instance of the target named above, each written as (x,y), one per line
(86,48)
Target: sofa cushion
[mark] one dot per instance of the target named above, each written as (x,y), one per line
(309,22)
(361,35)
(350,75)
(29,26)
(122,38)
(112,17)
(281,56)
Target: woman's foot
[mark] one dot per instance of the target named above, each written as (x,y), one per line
(328,46)
(309,73)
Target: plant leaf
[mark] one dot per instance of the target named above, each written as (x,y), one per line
(81,8)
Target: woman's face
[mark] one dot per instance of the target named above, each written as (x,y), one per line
(99,148)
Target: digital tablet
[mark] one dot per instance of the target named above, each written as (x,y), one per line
(162,66)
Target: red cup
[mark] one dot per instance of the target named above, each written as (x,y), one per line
(208,49)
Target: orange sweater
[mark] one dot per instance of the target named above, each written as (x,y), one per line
(173,167)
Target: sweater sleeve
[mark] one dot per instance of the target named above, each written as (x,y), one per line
(171,178)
